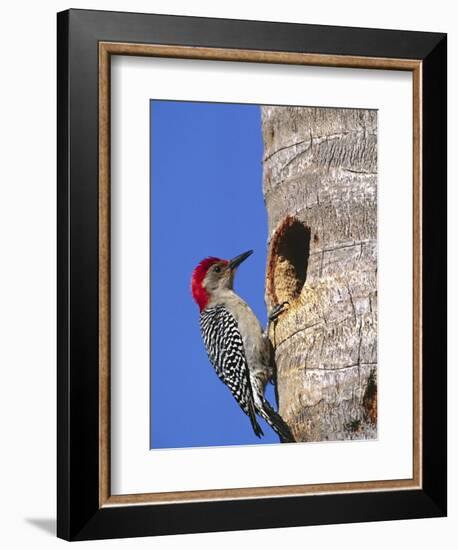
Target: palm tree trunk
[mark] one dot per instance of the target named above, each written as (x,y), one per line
(320,190)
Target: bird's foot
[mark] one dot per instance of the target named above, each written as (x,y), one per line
(276,311)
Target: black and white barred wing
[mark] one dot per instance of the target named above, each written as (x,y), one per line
(225,350)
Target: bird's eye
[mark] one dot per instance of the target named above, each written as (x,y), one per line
(217,268)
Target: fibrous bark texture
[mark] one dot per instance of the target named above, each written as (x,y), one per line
(320,190)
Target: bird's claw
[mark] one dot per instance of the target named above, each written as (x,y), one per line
(276,311)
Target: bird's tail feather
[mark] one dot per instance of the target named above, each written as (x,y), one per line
(256,427)
(276,422)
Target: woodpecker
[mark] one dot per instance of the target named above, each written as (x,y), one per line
(238,349)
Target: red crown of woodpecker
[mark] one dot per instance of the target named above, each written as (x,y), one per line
(199,293)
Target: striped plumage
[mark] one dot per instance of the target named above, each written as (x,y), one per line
(224,346)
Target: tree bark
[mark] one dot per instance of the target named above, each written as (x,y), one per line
(320,190)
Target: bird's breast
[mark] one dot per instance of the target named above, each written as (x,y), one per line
(250,330)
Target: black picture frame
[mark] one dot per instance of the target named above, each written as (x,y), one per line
(79,514)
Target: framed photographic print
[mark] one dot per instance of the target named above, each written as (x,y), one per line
(252,274)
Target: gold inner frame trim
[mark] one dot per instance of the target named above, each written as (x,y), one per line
(106,50)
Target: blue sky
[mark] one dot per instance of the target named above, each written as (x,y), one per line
(206,200)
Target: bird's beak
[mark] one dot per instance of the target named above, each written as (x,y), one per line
(235,262)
